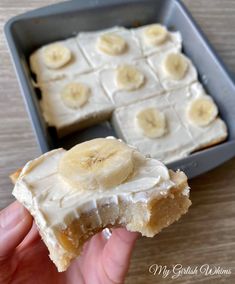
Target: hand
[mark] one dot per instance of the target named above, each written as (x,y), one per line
(24,257)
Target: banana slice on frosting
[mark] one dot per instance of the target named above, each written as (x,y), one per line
(56,56)
(152,122)
(111,44)
(155,34)
(99,163)
(129,78)
(202,111)
(175,65)
(75,95)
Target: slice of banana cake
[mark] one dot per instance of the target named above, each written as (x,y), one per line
(100,183)
(61,59)
(75,103)
(155,38)
(130,82)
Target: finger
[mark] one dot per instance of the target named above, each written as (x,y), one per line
(31,238)
(86,265)
(116,255)
(15,223)
(91,250)
(97,243)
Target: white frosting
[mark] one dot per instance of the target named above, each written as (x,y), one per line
(54,203)
(75,66)
(202,136)
(119,97)
(175,144)
(88,40)
(174,40)
(181,138)
(156,62)
(57,114)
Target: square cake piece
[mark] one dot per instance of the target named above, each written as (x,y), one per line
(58,60)
(110,46)
(199,114)
(101,183)
(73,104)
(130,82)
(156,38)
(153,127)
(173,69)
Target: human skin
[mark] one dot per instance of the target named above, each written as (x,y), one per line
(24,257)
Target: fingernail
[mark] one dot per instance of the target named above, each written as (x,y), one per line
(12,215)
(107,233)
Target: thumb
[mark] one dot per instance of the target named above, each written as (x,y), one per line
(116,255)
(15,223)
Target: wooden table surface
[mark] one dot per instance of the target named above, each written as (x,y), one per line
(206,235)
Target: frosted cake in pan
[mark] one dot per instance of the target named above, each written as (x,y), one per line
(172,126)
(142,75)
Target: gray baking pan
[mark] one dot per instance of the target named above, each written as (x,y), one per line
(29,31)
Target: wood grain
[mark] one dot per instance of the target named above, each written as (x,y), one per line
(207,233)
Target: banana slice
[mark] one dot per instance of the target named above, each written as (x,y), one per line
(75,95)
(111,44)
(155,34)
(129,78)
(202,111)
(175,65)
(98,163)
(152,122)
(56,56)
